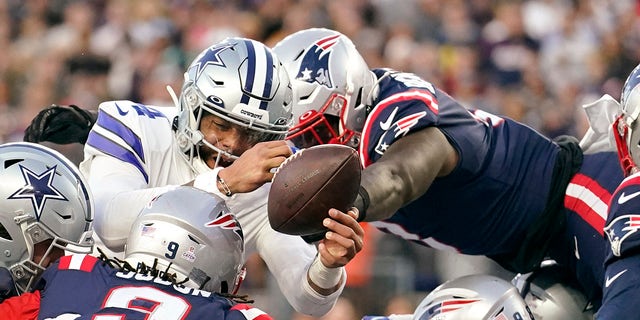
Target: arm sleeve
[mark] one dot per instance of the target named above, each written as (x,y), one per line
(620,291)
(123,193)
(288,259)
(22,307)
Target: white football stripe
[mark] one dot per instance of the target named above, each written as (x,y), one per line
(589,198)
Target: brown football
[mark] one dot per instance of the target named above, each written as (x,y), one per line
(309,183)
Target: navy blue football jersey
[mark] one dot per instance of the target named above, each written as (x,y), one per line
(499,187)
(586,202)
(622,259)
(84,287)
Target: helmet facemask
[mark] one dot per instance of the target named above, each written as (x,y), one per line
(37,234)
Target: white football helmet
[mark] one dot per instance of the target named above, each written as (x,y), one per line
(551,295)
(332,87)
(241,81)
(191,233)
(45,198)
(472,297)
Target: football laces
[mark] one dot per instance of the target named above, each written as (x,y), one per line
(287,160)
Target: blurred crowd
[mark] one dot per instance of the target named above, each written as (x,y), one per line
(536,61)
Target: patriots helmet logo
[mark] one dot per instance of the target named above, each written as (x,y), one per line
(226,220)
(315,63)
(38,188)
(620,229)
(446,306)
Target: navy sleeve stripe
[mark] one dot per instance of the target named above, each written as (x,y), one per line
(268,83)
(115,150)
(112,124)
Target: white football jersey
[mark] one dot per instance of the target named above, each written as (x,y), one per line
(131,156)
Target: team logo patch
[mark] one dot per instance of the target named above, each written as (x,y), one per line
(38,188)
(396,129)
(226,220)
(315,63)
(448,306)
(620,229)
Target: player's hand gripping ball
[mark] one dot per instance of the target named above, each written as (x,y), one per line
(311,182)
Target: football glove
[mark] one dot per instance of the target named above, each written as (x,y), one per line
(61,125)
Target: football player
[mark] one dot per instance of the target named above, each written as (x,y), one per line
(46,209)
(446,176)
(181,262)
(224,137)
(623,221)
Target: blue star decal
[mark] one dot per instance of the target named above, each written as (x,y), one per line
(210,56)
(38,189)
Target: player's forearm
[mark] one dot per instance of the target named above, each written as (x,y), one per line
(406,171)
(291,271)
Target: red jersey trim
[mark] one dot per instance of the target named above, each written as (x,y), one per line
(82,262)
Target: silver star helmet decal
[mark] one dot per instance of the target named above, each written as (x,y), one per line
(38,188)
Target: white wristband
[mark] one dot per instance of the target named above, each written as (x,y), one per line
(208,181)
(322,276)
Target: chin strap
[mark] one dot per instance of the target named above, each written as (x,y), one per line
(620,132)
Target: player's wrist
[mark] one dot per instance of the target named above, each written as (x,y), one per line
(323,279)
(222,185)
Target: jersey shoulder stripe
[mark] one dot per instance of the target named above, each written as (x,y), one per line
(251,313)
(129,132)
(110,123)
(115,150)
(82,262)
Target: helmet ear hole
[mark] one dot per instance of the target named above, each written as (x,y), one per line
(4,234)
(359,97)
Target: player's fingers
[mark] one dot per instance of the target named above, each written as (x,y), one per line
(354,213)
(274,162)
(333,256)
(348,220)
(344,246)
(272,149)
(339,231)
